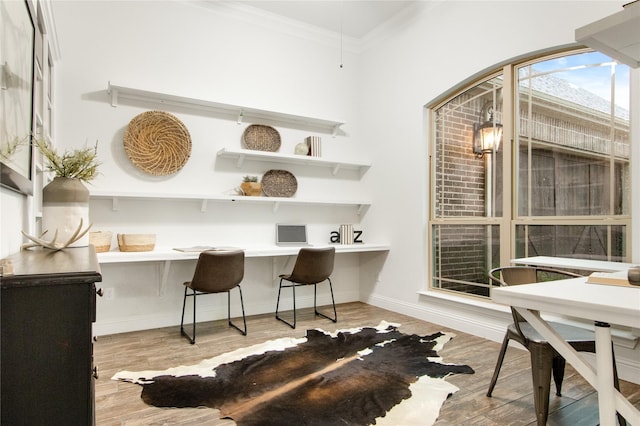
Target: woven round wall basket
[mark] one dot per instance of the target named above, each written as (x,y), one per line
(157,143)
(279,183)
(261,138)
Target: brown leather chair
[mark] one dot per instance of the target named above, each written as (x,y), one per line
(216,272)
(544,358)
(313,266)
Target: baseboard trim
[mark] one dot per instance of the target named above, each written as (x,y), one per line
(488,324)
(103,327)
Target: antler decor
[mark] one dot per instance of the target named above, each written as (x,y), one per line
(54,244)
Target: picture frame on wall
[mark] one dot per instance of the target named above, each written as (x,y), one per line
(17,37)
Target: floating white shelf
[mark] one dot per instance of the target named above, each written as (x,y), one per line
(238,113)
(617,35)
(204,199)
(242,155)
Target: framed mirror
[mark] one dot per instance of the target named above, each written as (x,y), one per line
(17,33)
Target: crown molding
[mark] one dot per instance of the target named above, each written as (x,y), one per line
(278,23)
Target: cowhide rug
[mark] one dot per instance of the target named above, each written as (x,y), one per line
(370,375)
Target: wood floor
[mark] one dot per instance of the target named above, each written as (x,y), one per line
(119,403)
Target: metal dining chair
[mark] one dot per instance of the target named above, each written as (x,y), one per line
(216,272)
(312,267)
(544,358)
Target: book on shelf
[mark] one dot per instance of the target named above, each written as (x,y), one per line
(315,145)
(346,234)
(609,278)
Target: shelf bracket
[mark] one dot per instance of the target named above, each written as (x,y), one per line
(276,206)
(203,205)
(240,161)
(114,97)
(362,171)
(114,204)
(165,276)
(360,209)
(240,116)
(335,169)
(335,131)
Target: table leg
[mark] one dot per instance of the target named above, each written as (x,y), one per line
(621,404)
(604,367)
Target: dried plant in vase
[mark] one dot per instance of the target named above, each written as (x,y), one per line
(65,200)
(79,164)
(250,186)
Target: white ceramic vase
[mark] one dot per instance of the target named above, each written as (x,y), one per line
(65,201)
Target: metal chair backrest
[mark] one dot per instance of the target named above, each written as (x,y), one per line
(516,275)
(313,265)
(218,271)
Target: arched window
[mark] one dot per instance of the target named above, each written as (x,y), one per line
(533,160)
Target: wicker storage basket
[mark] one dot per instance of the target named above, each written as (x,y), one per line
(261,138)
(101,240)
(279,183)
(136,242)
(157,143)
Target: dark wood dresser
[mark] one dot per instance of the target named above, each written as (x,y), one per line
(46,354)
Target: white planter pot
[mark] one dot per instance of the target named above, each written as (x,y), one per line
(65,202)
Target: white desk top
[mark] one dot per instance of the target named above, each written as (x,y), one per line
(575,297)
(572,263)
(164,253)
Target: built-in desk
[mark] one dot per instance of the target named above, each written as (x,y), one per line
(572,263)
(167,255)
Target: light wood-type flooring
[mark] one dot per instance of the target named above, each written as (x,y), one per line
(119,403)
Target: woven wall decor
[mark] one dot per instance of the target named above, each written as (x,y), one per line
(261,138)
(279,183)
(157,143)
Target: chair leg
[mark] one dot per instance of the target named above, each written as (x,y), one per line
(557,368)
(184,302)
(496,371)
(541,366)
(192,340)
(244,319)
(293,287)
(333,302)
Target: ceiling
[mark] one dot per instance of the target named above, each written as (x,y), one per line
(353,18)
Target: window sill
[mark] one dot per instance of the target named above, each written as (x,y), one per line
(465,300)
(621,336)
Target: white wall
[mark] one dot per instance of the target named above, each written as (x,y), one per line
(14,219)
(435,49)
(184,49)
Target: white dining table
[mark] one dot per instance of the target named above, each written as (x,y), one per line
(600,303)
(572,263)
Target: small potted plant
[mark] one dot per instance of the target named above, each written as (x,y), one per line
(250,186)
